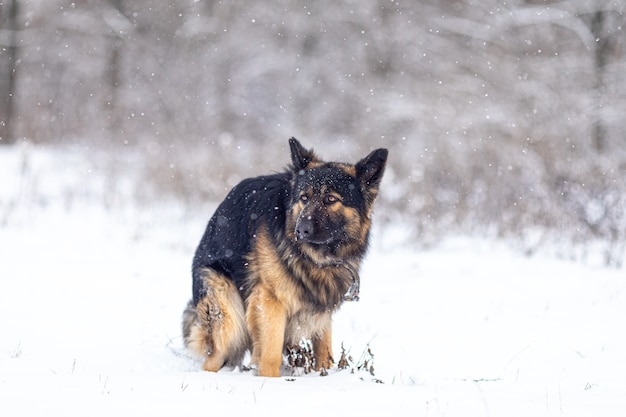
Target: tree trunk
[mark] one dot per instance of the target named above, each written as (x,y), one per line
(8,66)
(113,76)
(598,133)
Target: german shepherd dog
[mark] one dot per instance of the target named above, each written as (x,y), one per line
(278,257)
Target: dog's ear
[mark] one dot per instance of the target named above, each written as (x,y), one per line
(301,157)
(370,169)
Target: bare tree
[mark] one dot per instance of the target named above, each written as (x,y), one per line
(605,46)
(8,68)
(506,114)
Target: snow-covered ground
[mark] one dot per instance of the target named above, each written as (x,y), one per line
(92,290)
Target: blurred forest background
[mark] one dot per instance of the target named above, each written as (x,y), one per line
(505,118)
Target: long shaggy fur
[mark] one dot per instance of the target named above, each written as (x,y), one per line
(278,257)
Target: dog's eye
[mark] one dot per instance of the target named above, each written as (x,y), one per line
(330,199)
(304,198)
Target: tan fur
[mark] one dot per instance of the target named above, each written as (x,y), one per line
(277,314)
(323,348)
(348,169)
(216,328)
(266,321)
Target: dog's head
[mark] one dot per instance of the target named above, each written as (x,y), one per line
(331,202)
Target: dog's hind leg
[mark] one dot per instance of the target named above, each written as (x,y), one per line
(216,328)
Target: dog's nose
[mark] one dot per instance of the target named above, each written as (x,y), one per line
(304,228)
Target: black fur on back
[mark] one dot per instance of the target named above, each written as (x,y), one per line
(229,235)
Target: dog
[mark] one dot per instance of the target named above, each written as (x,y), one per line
(281,253)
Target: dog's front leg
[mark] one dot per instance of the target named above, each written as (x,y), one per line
(267,319)
(323,348)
